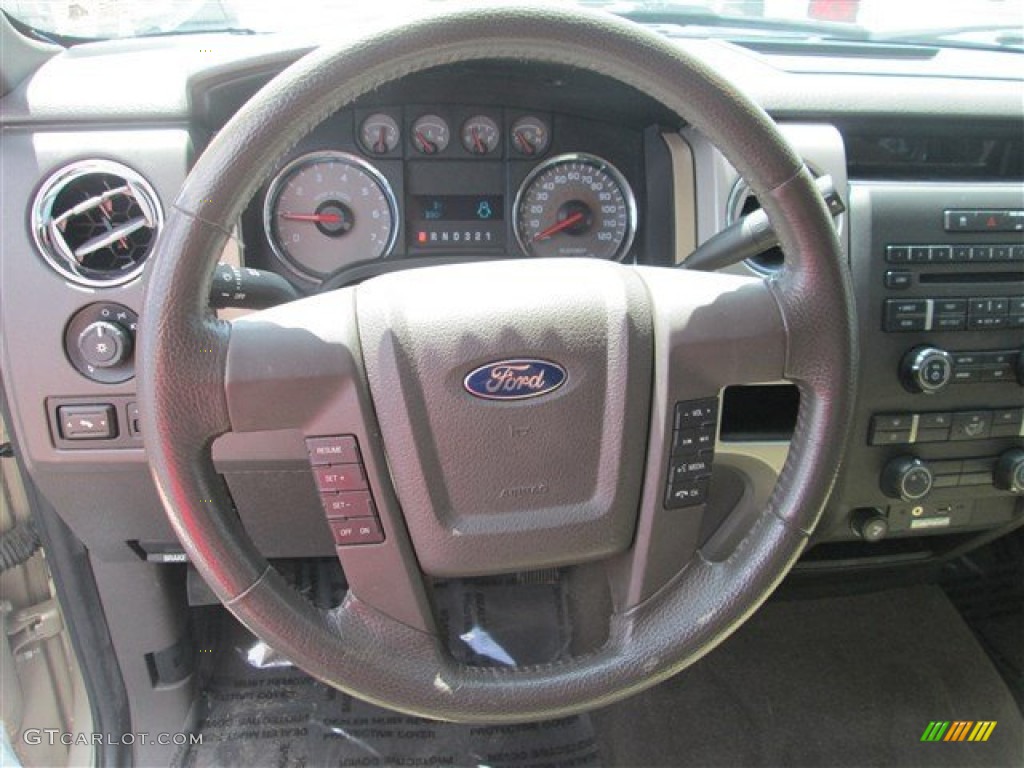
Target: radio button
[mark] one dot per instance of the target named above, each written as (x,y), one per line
(897,254)
(950,306)
(949,323)
(986,323)
(1001,253)
(920,254)
(898,280)
(906,307)
(942,254)
(980,253)
(904,324)
(961,253)
(988,307)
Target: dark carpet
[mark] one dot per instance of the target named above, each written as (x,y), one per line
(847,681)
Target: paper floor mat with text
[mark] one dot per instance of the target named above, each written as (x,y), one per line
(262,711)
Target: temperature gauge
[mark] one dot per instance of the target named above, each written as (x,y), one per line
(530,136)
(480,135)
(430,134)
(379,134)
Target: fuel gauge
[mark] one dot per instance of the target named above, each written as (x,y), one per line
(530,136)
(379,134)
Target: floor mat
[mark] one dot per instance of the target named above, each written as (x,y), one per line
(259,710)
(849,681)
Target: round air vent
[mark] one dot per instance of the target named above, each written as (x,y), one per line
(741,202)
(96,221)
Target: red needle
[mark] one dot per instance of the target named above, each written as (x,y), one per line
(478,143)
(321,218)
(564,224)
(525,145)
(426,144)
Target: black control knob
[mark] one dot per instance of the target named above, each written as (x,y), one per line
(926,369)
(104,344)
(906,478)
(1008,474)
(870,524)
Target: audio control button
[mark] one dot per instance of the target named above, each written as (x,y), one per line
(926,369)
(898,280)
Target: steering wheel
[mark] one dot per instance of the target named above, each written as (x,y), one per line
(455,493)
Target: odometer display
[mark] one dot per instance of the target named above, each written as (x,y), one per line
(575,206)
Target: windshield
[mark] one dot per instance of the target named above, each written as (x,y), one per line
(965,22)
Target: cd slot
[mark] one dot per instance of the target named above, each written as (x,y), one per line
(955,278)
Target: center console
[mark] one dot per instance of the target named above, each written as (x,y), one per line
(938,445)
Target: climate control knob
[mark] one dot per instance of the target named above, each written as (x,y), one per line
(1008,474)
(906,478)
(926,369)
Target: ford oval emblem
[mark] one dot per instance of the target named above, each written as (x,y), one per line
(515,379)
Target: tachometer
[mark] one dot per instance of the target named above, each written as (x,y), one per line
(575,205)
(327,210)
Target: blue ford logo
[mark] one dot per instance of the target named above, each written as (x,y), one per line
(515,379)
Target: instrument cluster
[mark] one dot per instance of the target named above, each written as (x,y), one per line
(433,181)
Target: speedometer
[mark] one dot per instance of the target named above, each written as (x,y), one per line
(575,205)
(327,210)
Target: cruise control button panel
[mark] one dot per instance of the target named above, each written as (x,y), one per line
(340,477)
(693,449)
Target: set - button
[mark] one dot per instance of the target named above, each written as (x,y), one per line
(344,492)
(693,446)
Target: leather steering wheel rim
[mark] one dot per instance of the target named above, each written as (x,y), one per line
(183,354)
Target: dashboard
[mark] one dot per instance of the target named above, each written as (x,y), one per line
(508,160)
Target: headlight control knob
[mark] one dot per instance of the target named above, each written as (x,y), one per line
(906,478)
(99,341)
(104,344)
(926,369)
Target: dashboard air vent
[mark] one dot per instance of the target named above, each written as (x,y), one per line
(96,222)
(741,202)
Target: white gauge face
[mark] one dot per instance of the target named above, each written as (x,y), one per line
(430,134)
(480,135)
(575,205)
(379,134)
(529,136)
(328,210)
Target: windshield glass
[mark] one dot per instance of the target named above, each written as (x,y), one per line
(979,22)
